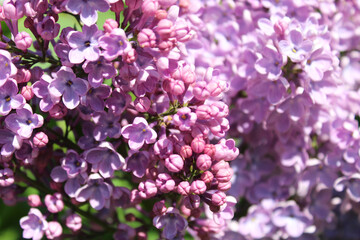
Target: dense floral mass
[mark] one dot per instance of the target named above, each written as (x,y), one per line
(179,119)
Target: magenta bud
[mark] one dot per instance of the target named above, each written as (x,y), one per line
(165,28)
(203,162)
(198,145)
(166,45)
(220,165)
(214,88)
(210,149)
(142,104)
(27,92)
(23,40)
(58,111)
(130,56)
(147,189)
(54,203)
(40,139)
(203,112)
(174,163)
(192,201)
(110,24)
(224,175)
(207,177)
(182,31)
(224,186)
(186,151)
(165,183)
(159,208)
(149,7)
(22,75)
(177,87)
(183,188)
(74,222)
(53,230)
(200,91)
(198,187)
(13,10)
(34,200)
(218,198)
(147,38)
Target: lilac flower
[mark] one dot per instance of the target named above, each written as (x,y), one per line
(6,177)
(84,44)
(184,119)
(270,64)
(352,185)
(257,223)
(24,121)
(41,90)
(73,164)
(107,125)
(291,219)
(226,211)
(67,85)
(95,97)
(114,44)
(318,62)
(138,133)
(87,9)
(9,142)
(87,141)
(137,163)
(7,67)
(104,159)
(34,225)
(171,222)
(118,102)
(9,97)
(295,47)
(99,70)
(95,190)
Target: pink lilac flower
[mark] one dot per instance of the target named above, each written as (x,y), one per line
(69,87)
(95,190)
(74,222)
(9,97)
(270,64)
(138,133)
(23,122)
(34,225)
(84,44)
(184,118)
(87,9)
(6,177)
(54,203)
(54,230)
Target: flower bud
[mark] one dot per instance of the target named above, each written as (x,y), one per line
(207,177)
(47,28)
(53,230)
(165,183)
(149,7)
(165,28)
(218,198)
(130,56)
(182,30)
(54,203)
(159,208)
(224,186)
(210,150)
(142,104)
(198,187)
(174,163)
(22,75)
(219,165)
(118,7)
(198,145)
(203,162)
(147,38)
(40,139)
(74,222)
(192,201)
(110,24)
(224,175)
(12,10)
(200,91)
(161,14)
(183,188)
(58,111)
(186,151)
(147,189)
(214,88)
(34,200)
(167,3)
(23,40)
(27,92)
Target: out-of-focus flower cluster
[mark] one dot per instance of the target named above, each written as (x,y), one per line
(218,119)
(106,120)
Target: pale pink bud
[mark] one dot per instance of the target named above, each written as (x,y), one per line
(198,187)
(166,45)
(224,186)
(22,75)
(224,175)
(174,163)
(198,145)
(186,151)
(40,139)
(149,7)
(165,183)
(218,198)
(183,188)
(147,38)
(27,92)
(147,189)
(110,24)
(203,112)
(34,200)
(220,165)
(207,177)
(177,87)
(214,88)
(167,3)
(161,14)
(54,203)
(74,222)
(12,10)
(210,149)
(23,40)
(200,91)
(53,230)
(165,28)
(182,31)
(130,56)
(280,27)
(203,162)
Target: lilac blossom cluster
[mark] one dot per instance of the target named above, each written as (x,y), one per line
(102,121)
(294,101)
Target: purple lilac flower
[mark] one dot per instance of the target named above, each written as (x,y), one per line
(41,90)
(73,164)
(87,9)
(99,70)
(87,141)
(67,85)
(118,102)
(114,44)
(291,219)
(9,97)
(295,47)
(84,44)
(171,222)
(34,225)
(138,133)
(184,119)
(24,121)
(6,177)
(318,62)
(7,67)
(352,185)
(104,159)
(107,125)
(226,211)
(9,142)
(95,97)
(137,163)
(270,64)
(95,190)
